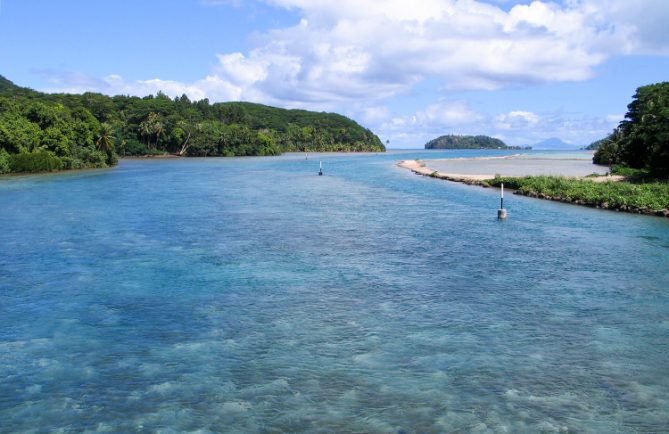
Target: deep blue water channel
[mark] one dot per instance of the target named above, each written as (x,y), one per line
(251,295)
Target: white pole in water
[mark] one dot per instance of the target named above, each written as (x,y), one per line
(501,197)
(320,169)
(501,212)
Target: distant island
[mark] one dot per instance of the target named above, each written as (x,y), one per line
(452,141)
(554,144)
(45,132)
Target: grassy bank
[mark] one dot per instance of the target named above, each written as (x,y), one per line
(645,198)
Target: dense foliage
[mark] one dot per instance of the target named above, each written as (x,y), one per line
(41,131)
(451,141)
(641,140)
(40,136)
(653,196)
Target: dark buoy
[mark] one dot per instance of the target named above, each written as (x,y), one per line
(501,212)
(320,169)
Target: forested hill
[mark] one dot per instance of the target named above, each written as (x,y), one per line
(40,131)
(467,142)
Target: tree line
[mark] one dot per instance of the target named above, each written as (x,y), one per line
(40,131)
(641,140)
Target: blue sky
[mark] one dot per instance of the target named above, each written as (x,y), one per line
(409,70)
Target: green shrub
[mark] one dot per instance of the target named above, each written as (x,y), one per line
(39,160)
(4,162)
(133,147)
(628,171)
(71,163)
(651,195)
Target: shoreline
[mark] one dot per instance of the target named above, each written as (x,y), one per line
(138,157)
(418,167)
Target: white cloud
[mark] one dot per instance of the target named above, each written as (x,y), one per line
(515,120)
(642,23)
(237,68)
(518,127)
(616,118)
(573,128)
(352,55)
(353,50)
(375,114)
(447,117)
(435,117)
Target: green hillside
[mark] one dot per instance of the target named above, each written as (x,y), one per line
(40,131)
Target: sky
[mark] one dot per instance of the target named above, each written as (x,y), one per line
(410,70)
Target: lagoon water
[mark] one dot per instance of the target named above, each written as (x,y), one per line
(251,295)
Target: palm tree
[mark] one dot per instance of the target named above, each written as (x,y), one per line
(158,131)
(149,128)
(105,143)
(145,131)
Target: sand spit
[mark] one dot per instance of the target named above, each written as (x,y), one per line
(419,167)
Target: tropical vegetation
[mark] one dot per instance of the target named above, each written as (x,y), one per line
(42,132)
(641,140)
(643,197)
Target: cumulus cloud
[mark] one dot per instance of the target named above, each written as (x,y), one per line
(515,120)
(642,23)
(375,114)
(446,117)
(574,128)
(517,127)
(360,53)
(352,50)
(615,118)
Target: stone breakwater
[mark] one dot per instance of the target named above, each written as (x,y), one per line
(418,167)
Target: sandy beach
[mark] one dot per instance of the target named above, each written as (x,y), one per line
(420,168)
(474,170)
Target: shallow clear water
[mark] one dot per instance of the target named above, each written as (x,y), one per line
(250,295)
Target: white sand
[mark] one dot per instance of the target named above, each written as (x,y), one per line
(480,169)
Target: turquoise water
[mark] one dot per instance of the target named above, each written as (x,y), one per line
(250,295)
